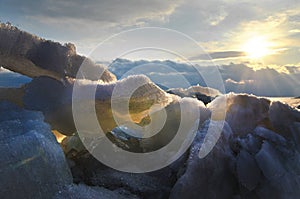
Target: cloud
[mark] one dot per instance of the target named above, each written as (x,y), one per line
(294,18)
(218,25)
(83,23)
(238,78)
(295,31)
(243,82)
(112,11)
(218,55)
(293,69)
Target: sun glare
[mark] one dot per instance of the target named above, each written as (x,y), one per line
(257,47)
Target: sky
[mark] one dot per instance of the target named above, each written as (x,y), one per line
(261,34)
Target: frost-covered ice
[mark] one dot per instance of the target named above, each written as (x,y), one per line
(256,155)
(32,163)
(123,88)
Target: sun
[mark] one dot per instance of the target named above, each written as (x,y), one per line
(257,47)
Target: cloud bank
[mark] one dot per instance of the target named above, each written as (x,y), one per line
(238,78)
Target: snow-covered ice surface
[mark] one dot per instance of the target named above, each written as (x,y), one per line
(291,101)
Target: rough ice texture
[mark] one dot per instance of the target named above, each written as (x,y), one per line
(194,90)
(123,88)
(204,94)
(32,164)
(210,177)
(153,185)
(82,191)
(243,112)
(33,56)
(257,155)
(45,93)
(54,98)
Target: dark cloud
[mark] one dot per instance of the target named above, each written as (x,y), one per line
(218,55)
(293,69)
(294,18)
(84,23)
(114,11)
